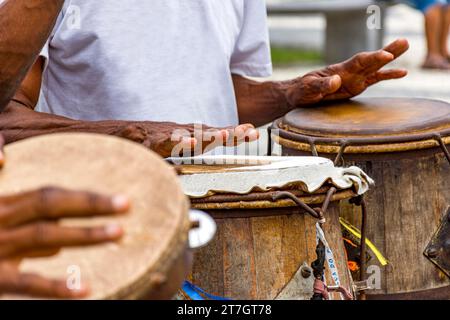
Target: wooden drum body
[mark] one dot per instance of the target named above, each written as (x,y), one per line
(401,144)
(264,247)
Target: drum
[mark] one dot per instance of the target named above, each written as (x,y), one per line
(151,260)
(402,144)
(266,209)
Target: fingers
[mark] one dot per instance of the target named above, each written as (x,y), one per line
(387,75)
(370,62)
(2,156)
(206,139)
(243,133)
(42,237)
(229,137)
(37,286)
(56,203)
(397,48)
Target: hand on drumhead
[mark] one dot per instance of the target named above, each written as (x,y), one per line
(347,79)
(29,228)
(171,139)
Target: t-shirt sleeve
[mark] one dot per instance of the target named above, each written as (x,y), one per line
(44,53)
(45,50)
(251,55)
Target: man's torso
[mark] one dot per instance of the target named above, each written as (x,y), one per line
(159,60)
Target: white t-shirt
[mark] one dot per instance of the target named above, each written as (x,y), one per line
(159,60)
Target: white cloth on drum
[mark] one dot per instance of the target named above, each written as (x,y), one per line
(266,173)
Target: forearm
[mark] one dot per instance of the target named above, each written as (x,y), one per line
(260,102)
(25,26)
(18,122)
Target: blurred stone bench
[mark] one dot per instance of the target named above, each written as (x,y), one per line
(346,32)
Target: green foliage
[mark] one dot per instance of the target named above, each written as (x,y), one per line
(290,56)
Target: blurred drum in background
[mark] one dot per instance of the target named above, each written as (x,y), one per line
(267,211)
(152,259)
(403,145)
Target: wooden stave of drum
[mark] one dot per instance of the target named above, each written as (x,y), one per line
(384,157)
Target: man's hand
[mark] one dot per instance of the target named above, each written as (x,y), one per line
(28,228)
(347,79)
(171,139)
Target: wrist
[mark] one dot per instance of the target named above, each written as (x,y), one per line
(283,91)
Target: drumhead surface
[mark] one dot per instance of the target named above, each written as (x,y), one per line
(156,226)
(367,117)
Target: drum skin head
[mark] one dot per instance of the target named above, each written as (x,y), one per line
(156,226)
(367,117)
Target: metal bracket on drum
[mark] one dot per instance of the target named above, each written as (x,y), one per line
(203,229)
(438,250)
(340,155)
(313,148)
(300,286)
(438,138)
(360,286)
(318,213)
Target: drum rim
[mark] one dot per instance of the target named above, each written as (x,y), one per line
(311,199)
(150,281)
(148,284)
(288,137)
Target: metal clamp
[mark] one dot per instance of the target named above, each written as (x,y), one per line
(438,249)
(340,155)
(313,148)
(438,138)
(318,213)
(359,286)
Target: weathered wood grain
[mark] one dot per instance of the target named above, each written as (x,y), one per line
(255,258)
(405,208)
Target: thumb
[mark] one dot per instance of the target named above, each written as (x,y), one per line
(331,84)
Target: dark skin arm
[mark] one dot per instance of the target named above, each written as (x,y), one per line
(19,121)
(25,25)
(29,228)
(263,102)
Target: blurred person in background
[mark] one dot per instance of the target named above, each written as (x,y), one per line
(437,23)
